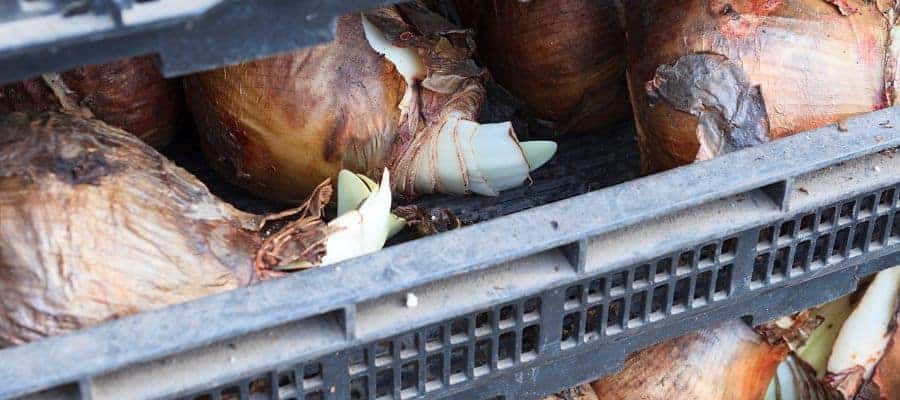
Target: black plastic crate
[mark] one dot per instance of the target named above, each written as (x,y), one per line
(44,36)
(524,304)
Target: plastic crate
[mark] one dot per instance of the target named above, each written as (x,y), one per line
(43,36)
(520,305)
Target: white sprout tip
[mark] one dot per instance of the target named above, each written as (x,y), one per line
(538,152)
(395,225)
(351,192)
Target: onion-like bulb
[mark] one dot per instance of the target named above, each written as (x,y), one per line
(95,224)
(728,362)
(130,94)
(563,58)
(396,89)
(711,76)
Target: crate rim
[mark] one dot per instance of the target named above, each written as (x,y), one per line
(153,335)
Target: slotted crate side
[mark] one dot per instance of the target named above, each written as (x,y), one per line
(589,279)
(508,344)
(44,36)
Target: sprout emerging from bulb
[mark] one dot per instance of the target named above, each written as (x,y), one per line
(396,89)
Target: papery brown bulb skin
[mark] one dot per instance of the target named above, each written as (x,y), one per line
(279,126)
(749,71)
(730,362)
(563,58)
(130,94)
(886,377)
(95,225)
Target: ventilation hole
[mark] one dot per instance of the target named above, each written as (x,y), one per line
(203,397)
(723,282)
(765,236)
(458,330)
(682,294)
(658,302)
(867,206)
(506,349)
(760,266)
(384,383)
(663,269)
(592,323)
(573,296)
(800,256)
(878,231)
(595,290)
(787,230)
(286,379)
(887,199)
(318,395)
(859,236)
(826,219)
(483,323)
(231,391)
(729,248)
(780,265)
(458,364)
(482,355)
(497,398)
(259,386)
(895,227)
(641,275)
(507,316)
(570,329)
(357,361)
(820,252)
(409,375)
(409,347)
(434,367)
(636,311)
(708,254)
(685,261)
(614,316)
(807,222)
(434,338)
(847,211)
(840,243)
(532,309)
(359,388)
(383,352)
(531,336)
(701,288)
(617,283)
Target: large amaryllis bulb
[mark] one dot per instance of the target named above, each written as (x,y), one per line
(563,58)
(95,224)
(396,89)
(712,76)
(130,94)
(730,362)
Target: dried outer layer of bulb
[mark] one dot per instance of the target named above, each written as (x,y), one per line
(564,59)
(729,362)
(709,77)
(97,225)
(130,94)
